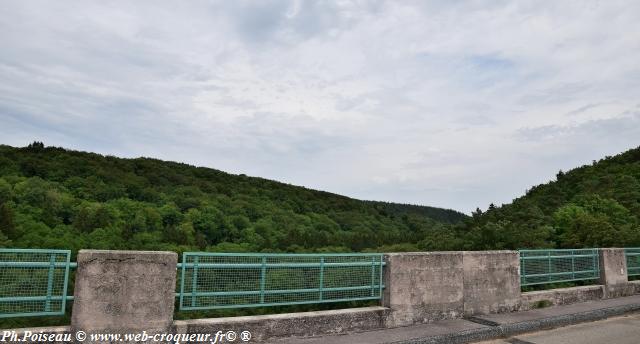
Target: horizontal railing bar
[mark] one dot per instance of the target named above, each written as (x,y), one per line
(276,265)
(560,250)
(283,254)
(32,264)
(560,273)
(559,281)
(276,292)
(32,298)
(36,314)
(31,250)
(559,257)
(279,303)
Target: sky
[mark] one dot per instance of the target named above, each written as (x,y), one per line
(453,104)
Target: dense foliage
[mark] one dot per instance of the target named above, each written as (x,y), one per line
(597,205)
(56,198)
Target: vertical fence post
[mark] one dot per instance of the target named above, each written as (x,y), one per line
(321,276)
(549,266)
(573,265)
(194,281)
(380,279)
(182,281)
(52,269)
(373,275)
(522,271)
(66,282)
(263,276)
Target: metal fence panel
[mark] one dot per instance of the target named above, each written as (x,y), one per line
(229,280)
(33,282)
(633,261)
(554,266)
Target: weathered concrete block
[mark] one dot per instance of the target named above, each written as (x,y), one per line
(422,287)
(491,281)
(613,266)
(305,324)
(613,272)
(558,297)
(124,291)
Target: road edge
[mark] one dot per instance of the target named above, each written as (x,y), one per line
(508,330)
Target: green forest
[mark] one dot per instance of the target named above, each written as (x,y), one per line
(596,205)
(51,197)
(56,198)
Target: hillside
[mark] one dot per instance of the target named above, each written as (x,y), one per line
(596,205)
(56,198)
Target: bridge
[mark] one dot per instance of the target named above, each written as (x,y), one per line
(461,296)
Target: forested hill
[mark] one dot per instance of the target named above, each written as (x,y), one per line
(596,205)
(56,198)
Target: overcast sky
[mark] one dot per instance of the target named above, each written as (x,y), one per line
(446,103)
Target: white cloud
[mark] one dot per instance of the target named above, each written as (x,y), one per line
(454,104)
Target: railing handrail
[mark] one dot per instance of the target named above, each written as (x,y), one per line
(258,254)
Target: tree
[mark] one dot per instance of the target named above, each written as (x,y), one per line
(7,225)
(6,192)
(596,222)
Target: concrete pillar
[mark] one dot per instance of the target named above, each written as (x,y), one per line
(422,287)
(124,292)
(491,281)
(613,272)
(428,286)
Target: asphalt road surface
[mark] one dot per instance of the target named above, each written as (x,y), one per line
(620,330)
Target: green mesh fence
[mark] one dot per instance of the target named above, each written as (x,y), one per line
(554,266)
(228,280)
(33,282)
(633,261)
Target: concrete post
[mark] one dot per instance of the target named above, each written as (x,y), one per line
(422,287)
(613,272)
(491,281)
(124,292)
(428,286)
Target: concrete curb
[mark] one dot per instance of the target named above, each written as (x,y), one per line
(508,330)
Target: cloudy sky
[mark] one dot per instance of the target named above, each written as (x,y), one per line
(445,103)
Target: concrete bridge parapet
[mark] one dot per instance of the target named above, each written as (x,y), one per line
(124,292)
(422,287)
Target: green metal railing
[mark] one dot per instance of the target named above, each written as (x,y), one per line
(233,280)
(555,266)
(633,261)
(33,282)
